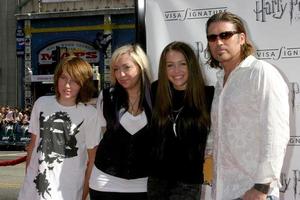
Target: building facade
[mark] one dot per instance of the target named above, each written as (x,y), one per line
(9,80)
(46,31)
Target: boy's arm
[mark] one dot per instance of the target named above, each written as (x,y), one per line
(88,171)
(29,149)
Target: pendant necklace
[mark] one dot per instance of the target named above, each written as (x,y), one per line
(132,104)
(174,119)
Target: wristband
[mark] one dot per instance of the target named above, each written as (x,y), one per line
(264,188)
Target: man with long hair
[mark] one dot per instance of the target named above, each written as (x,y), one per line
(250,115)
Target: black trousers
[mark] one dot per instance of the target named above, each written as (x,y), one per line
(161,189)
(98,195)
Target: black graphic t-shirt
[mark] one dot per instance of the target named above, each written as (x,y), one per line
(58,161)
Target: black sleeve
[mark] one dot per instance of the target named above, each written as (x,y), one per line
(153,91)
(209,93)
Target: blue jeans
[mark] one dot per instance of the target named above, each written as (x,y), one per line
(161,189)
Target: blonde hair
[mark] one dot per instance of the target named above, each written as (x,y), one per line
(138,56)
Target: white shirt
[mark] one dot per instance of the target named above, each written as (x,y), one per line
(59,158)
(250,129)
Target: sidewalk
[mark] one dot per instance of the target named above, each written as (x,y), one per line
(11,177)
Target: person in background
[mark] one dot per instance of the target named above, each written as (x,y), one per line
(2,121)
(180,125)
(121,165)
(2,113)
(18,115)
(10,115)
(250,115)
(64,137)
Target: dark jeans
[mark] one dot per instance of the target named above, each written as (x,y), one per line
(160,189)
(97,195)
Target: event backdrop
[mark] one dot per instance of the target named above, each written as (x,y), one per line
(273,27)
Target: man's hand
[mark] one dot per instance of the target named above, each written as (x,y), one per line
(208,170)
(254,194)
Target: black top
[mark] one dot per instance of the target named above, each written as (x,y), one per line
(119,153)
(179,154)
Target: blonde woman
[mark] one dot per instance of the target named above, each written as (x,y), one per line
(121,164)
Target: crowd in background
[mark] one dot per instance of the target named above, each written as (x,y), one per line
(14,125)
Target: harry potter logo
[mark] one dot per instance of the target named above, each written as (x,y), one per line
(276,9)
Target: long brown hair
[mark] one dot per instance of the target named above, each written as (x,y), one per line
(81,72)
(246,49)
(195,90)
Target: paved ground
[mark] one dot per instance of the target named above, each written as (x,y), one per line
(11,177)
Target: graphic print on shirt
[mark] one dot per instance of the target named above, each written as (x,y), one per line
(57,143)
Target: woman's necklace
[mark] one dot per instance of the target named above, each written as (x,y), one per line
(174,119)
(132,106)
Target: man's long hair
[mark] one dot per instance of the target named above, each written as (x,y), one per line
(246,49)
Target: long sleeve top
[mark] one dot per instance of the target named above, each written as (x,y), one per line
(250,129)
(179,154)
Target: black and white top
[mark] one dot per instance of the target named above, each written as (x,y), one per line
(105,181)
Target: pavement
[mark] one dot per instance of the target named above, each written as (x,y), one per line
(11,177)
